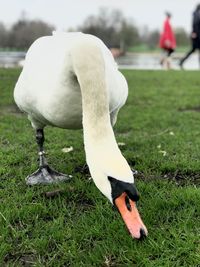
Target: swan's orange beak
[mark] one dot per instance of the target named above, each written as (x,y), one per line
(131,216)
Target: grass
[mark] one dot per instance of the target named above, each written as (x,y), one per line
(160,126)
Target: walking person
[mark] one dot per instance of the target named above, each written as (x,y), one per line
(167,42)
(195,36)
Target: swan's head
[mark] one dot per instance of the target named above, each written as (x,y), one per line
(124,196)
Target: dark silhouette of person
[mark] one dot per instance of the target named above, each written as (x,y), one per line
(195,35)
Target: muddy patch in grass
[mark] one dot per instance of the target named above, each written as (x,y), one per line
(178,177)
(183,179)
(11,109)
(27,260)
(83,169)
(20,260)
(84,205)
(195,109)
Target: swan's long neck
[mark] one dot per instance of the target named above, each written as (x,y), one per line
(90,70)
(102,151)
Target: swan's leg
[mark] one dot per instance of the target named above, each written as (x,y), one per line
(44,175)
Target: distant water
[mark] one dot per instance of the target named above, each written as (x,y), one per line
(149,61)
(11,59)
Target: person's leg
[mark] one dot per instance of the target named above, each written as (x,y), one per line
(168,60)
(163,57)
(192,50)
(199,58)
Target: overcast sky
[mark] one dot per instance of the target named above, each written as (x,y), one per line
(64,14)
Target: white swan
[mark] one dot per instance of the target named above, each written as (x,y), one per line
(70,80)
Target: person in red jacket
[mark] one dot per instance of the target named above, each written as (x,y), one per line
(167,41)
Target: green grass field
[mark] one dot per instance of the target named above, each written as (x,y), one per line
(160,127)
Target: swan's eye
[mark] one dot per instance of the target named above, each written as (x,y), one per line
(128,205)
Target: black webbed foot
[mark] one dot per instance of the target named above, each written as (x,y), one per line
(46,175)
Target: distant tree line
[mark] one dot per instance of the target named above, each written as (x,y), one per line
(113,28)
(22,33)
(110,25)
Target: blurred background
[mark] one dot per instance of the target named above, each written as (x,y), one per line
(130,28)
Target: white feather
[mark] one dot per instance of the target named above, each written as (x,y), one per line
(70,80)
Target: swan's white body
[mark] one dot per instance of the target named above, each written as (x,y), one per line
(70,80)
